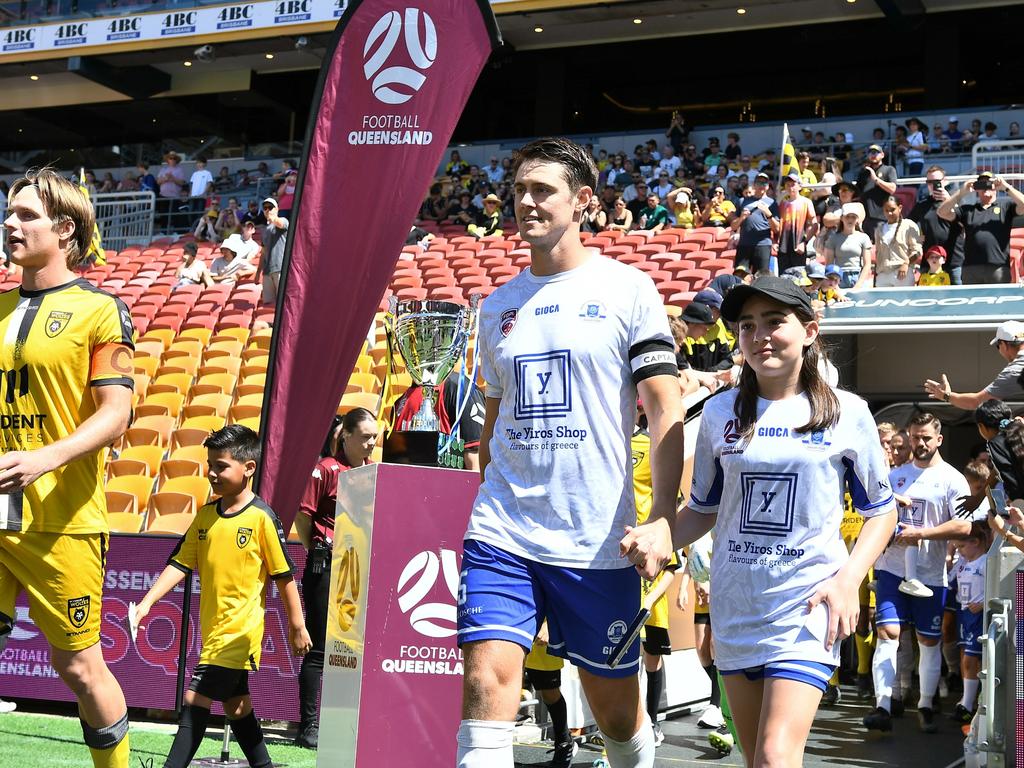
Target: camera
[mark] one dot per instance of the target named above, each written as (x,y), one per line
(319,559)
(205,53)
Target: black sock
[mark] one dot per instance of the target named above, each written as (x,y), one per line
(249,736)
(559,722)
(191,729)
(655,687)
(716,693)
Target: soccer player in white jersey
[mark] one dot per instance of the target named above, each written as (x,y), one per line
(927,489)
(565,347)
(774,457)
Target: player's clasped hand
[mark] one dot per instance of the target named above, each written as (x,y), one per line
(19,469)
(648,547)
(298,637)
(843,606)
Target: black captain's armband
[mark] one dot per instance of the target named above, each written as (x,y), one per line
(652,358)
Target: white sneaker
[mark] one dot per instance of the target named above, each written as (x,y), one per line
(711,718)
(7,706)
(915,588)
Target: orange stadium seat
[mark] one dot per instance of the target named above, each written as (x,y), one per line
(181,468)
(139,486)
(223,382)
(121,502)
(162,425)
(150,455)
(125,522)
(207,423)
(119,467)
(176,524)
(195,486)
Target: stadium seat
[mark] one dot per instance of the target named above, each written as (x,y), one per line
(224,382)
(232,346)
(219,402)
(195,486)
(254,368)
(367,382)
(367,400)
(255,378)
(238,413)
(249,389)
(141,384)
(162,425)
(118,467)
(253,423)
(148,348)
(207,423)
(190,452)
(256,399)
(237,334)
(150,455)
(181,468)
(177,382)
(186,345)
(200,334)
(144,409)
(146,365)
(121,502)
(220,364)
(139,486)
(173,401)
(180,364)
(124,522)
(164,503)
(176,524)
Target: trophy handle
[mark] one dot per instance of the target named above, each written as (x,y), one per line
(463,398)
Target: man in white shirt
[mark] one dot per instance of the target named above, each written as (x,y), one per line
(669,162)
(927,490)
(565,347)
(495,173)
(250,248)
(200,181)
(228,267)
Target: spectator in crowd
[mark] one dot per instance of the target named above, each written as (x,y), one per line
(89,182)
(831,175)
(708,362)
(807,176)
(718,211)
(818,149)
(723,283)
(146,180)
(1003,440)
(192,270)
(969,573)
(798,224)
(897,248)
(732,147)
(594,219)
(713,157)
(462,210)
(757,223)
(916,147)
(938,141)
(927,491)
(989,133)
(488,221)
(274,238)
(171,181)
(621,218)
(663,185)
(262,171)
(206,228)
(617,173)
(899,145)
(769,164)
(953,133)
(850,249)
(932,272)
(286,193)
(244,180)
(200,184)
(1008,385)
(692,163)
(639,201)
(842,150)
(435,207)
(843,192)
(806,136)
(654,217)
(875,183)
(108,184)
(228,267)
(637,188)
(128,183)
(986,226)
(254,214)
(352,441)
(684,207)
(494,172)
(287,166)
(669,162)
(456,165)
(939,231)
(228,221)
(678,132)
(224,181)
(900,447)
(829,291)
(1014,132)
(251,248)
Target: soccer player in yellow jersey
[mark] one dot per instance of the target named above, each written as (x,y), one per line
(236,543)
(65,394)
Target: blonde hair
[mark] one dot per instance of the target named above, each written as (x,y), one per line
(62,201)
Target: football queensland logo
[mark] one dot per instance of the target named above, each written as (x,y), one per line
(57,322)
(433,619)
(397,83)
(349,572)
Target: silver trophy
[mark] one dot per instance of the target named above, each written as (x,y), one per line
(432,337)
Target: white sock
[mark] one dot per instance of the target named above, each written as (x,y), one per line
(929,669)
(904,665)
(910,562)
(883,671)
(638,752)
(485,744)
(970,693)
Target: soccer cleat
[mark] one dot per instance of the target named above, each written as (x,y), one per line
(926,720)
(897,708)
(832,695)
(878,719)
(711,718)
(864,688)
(915,588)
(563,754)
(721,739)
(659,735)
(961,714)
(7,706)
(308,737)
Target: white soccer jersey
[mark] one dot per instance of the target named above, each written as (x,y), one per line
(970,580)
(562,353)
(779,500)
(934,492)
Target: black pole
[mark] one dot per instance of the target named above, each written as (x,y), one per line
(186,610)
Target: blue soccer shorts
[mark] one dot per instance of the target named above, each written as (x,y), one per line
(894,607)
(813,673)
(506,597)
(972,627)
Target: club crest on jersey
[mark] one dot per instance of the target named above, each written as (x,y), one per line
(592,310)
(57,322)
(78,611)
(242,537)
(508,321)
(638,456)
(617,631)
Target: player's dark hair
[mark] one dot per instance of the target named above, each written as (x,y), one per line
(979,470)
(355,417)
(980,530)
(992,414)
(824,403)
(328,446)
(241,442)
(578,165)
(1015,442)
(925,419)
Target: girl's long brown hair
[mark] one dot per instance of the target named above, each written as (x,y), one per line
(824,403)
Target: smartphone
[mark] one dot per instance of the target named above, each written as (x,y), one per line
(997,501)
(937,184)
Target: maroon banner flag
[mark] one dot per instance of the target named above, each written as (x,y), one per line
(391,89)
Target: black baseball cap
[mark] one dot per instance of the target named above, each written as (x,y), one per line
(696,312)
(778,289)
(984,181)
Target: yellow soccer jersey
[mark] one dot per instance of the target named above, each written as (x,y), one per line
(643,491)
(933,278)
(56,344)
(234,555)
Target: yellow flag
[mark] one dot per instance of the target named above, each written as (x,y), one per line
(788,164)
(96,254)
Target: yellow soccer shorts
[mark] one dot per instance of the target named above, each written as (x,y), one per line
(63,576)
(539,659)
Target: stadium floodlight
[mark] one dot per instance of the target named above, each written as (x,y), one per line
(205,53)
